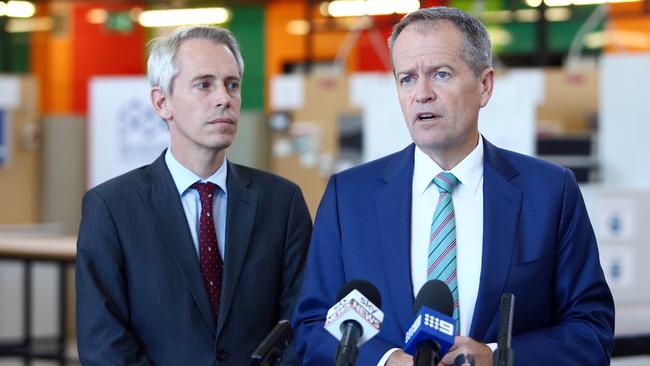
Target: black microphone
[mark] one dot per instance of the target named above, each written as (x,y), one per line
(355,318)
(434,329)
(503,355)
(269,352)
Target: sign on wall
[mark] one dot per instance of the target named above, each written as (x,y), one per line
(124,130)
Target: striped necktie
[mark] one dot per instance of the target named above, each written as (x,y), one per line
(442,241)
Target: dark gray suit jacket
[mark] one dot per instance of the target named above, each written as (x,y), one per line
(140,294)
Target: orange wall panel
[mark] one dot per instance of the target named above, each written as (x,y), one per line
(628,28)
(100,51)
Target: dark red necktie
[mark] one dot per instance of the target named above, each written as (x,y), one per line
(209,257)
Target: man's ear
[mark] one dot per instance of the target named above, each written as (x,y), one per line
(161,103)
(487,85)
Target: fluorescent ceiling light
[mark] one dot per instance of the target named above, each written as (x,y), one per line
(594,2)
(39,24)
(17,9)
(533,3)
(557,14)
(527,15)
(351,8)
(176,17)
(497,16)
(577,2)
(558,2)
(500,37)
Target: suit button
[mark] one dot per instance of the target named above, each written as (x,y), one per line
(222,355)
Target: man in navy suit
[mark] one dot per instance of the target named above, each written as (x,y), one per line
(193,259)
(454,207)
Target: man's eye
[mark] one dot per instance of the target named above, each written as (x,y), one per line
(442,75)
(203,85)
(407,80)
(233,85)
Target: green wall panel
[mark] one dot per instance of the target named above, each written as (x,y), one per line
(247,24)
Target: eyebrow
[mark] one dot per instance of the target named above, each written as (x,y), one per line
(428,69)
(211,76)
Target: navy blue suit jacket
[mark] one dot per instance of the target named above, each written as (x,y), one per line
(140,293)
(538,244)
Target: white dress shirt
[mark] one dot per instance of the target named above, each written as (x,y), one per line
(467,199)
(183,179)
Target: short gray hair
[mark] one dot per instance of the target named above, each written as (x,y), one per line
(161,65)
(477,50)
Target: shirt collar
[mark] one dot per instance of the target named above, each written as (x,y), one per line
(184,178)
(469,171)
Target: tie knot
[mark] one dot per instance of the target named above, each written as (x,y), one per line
(206,190)
(445,182)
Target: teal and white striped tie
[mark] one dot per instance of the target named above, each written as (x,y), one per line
(442,240)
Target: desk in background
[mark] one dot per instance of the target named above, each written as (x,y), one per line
(60,250)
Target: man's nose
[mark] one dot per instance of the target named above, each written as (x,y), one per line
(221,97)
(424,91)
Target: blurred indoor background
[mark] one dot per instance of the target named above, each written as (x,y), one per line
(318,97)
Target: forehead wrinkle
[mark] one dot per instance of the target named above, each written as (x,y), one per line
(443,52)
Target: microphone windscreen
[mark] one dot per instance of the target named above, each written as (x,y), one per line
(366,288)
(435,295)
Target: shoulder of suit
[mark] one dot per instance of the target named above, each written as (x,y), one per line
(129,181)
(530,167)
(257,177)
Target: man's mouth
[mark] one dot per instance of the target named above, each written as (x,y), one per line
(426,116)
(222,120)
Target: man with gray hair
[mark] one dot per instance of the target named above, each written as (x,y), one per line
(190,260)
(455,208)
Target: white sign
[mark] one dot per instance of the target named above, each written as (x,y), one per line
(10,92)
(124,130)
(616,219)
(287,92)
(509,120)
(618,265)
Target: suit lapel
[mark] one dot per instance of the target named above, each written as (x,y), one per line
(502,203)
(162,197)
(242,204)
(393,203)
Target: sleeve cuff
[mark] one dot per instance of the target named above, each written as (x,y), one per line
(384,359)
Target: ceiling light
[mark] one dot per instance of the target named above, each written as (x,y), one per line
(527,15)
(534,3)
(176,17)
(557,14)
(595,40)
(19,9)
(38,24)
(497,16)
(351,8)
(558,2)
(500,37)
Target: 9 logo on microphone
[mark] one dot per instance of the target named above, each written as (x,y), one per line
(438,324)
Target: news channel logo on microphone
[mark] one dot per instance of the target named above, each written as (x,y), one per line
(430,325)
(357,307)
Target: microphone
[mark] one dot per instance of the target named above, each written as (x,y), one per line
(434,329)
(269,352)
(503,355)
(354,319)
